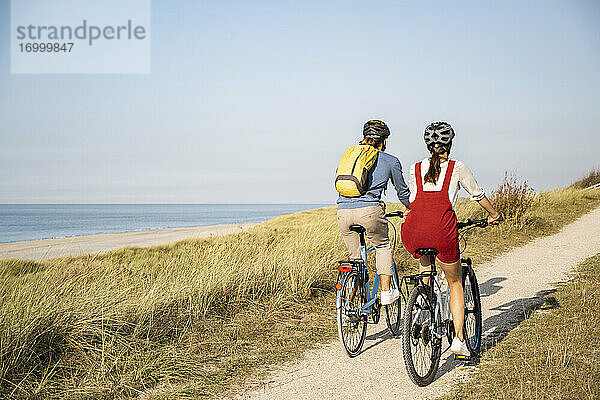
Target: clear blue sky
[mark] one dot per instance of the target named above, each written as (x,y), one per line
(254,102)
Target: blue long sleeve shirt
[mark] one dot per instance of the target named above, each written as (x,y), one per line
(386,167)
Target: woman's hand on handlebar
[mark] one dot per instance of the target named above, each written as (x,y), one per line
(494,219)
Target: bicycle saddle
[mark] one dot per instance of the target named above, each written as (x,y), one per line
(357,228)
(427,252)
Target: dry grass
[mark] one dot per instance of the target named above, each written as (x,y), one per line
(201,317)
(513,199)
(136,319)
(552,355)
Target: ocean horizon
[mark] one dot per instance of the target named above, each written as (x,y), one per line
(25,222)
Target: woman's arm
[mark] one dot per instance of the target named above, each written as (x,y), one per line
(493,217)
(468,182)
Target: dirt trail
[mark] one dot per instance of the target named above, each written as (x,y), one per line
(510,285)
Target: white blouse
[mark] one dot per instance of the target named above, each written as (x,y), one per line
(461,177)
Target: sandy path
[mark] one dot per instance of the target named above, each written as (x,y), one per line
(73,246)
(510,285)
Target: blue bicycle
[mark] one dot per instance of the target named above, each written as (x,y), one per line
(357,304)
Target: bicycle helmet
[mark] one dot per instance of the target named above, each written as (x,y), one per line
(376,129)
(438,134)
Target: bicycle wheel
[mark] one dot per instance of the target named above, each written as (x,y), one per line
(392,311)
(352,326)
(420,347)
(472,326)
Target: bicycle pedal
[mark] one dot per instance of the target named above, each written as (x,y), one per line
(466,360)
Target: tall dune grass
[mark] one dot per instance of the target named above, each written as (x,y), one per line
(195,317)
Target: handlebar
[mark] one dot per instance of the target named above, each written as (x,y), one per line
(480,223)
(395,214)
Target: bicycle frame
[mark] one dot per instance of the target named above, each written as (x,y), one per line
(441,309)
(367,307)
(363,270)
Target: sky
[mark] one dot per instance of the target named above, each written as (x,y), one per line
(255,102)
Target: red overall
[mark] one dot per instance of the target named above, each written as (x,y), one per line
(431,222)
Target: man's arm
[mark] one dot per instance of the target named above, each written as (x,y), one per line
(399,183)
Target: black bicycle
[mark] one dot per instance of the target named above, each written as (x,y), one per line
(357,304)
(427,319)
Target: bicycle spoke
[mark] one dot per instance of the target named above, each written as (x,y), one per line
(393,311)
(420,347)
(422,351)
(351,325)
(472,322)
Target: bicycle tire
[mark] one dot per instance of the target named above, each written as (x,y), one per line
(472,327)
(352,326)
(393,311)
(422,365)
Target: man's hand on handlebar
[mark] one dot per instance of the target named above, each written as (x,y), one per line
(395,214)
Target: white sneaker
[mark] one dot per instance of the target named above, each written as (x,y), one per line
(389,296)
(460,348)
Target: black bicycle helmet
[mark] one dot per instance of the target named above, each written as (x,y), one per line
(438,134)
(376,129)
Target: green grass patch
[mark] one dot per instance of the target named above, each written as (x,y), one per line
(200,318)
(553,354)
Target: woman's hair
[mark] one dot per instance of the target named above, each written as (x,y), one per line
(433,173)
(375,142)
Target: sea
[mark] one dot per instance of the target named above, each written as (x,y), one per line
(21,222)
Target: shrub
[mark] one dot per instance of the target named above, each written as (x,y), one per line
(513,198)
(591,179)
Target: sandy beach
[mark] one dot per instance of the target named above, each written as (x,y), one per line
(74,246)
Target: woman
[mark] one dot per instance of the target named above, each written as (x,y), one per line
(369,211)
(431,223)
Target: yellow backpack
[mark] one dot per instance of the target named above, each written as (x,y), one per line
(351,174)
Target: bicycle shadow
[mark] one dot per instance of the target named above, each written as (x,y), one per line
(497,326)
(490,287)
(379,337)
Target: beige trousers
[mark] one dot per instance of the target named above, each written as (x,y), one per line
(372,218)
